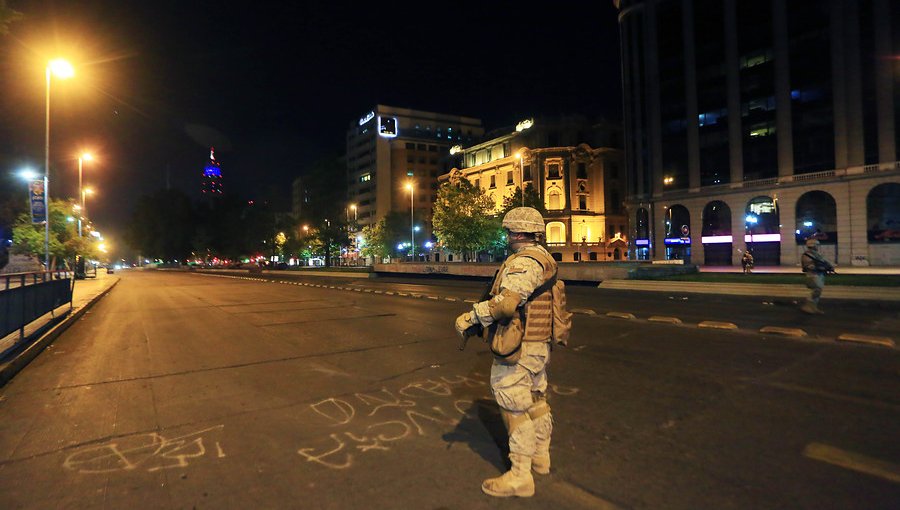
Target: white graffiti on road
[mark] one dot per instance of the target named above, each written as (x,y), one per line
(150,452)
(411,411)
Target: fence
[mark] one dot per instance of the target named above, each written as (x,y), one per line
(24,297)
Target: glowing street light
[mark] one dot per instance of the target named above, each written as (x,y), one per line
(28,174)
(62,70)
(84,157)
(412,227)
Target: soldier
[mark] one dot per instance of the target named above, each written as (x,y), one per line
(816,267)
(521,309)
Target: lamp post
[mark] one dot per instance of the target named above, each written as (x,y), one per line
(521,174)
(86,156)
(61,69)
(412,227)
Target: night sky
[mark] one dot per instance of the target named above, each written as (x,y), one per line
(274,85)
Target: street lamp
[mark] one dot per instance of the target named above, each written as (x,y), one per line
(521,174)
(412,227)
(63,70)
(83,213)
(87,157)
(752,219)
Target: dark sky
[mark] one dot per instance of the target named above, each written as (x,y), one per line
(274,85)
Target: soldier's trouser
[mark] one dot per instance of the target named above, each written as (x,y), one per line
(815,282)
(513,387)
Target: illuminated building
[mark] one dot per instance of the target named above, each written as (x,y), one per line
(577,169)
(211,185)
(759,124)
(387,147)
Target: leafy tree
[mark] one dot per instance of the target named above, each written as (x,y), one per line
(375,242)
(463,220)
(514,199)
(64,242)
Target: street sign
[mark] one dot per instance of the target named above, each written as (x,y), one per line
(38,201)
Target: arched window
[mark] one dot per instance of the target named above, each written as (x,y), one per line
(716,219)
(678,219)
(556,232)
(816,217)
(883,213)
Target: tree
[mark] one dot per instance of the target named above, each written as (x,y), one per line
(64,242)
(375,243)
(532,199)
(463,220)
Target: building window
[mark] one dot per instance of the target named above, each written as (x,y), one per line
(553,171)
(365,178)
(554,200)
(582,171)
(582,202)
(493,181)
(410,146)
(526,173)
(477,183)
(509,178)
(410,173)
(556,232)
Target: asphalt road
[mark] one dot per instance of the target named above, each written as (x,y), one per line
(182,390)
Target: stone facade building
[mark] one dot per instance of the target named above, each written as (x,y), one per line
(755,125)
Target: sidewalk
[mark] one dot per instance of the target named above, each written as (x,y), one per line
(43,331)
(796,269)
(757,289)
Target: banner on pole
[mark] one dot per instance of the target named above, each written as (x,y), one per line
(38,201)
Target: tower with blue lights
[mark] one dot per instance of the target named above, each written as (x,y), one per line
(212,176)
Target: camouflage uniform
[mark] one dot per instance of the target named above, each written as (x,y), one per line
(815,267)
(519,387)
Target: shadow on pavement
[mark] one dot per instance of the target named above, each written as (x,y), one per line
(481,415)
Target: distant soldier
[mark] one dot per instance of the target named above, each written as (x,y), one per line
(815,267)
(519,316)
(747,262)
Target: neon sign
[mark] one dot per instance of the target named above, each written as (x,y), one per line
(366,118)
(387,127)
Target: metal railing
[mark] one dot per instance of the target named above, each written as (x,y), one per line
(25,297)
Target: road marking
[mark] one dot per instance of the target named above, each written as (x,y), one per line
(433,297)
(620,315)
(471,301)
(580,497)
(585,311)
(852,461)
(783,331)
(866,339)
(717,325)
(402,294)
(452,299)
(379,292)
(669,320)
(389,293)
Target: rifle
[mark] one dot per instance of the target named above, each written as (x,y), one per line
(477,329)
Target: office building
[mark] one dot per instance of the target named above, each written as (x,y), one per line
(389,148)
(758,124)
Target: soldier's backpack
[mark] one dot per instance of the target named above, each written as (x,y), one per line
(562,318)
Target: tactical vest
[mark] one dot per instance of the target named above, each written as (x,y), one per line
(537,314)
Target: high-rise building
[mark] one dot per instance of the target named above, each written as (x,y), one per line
(389,148)
(211,185)
(576,168)
(757,124)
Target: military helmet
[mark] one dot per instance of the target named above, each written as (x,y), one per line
(812,243)
(524,219)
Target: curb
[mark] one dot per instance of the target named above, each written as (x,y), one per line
(14,366)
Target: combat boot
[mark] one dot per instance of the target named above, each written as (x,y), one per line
(515,482)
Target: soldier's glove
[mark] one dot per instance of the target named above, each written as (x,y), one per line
(464,322)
